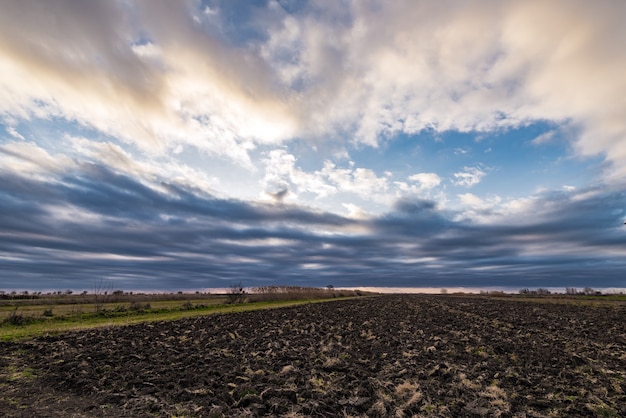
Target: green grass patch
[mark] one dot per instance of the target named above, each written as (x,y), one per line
(47,309)
(105,318)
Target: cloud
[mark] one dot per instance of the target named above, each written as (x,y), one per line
(386,68)
(92,64)
(160,74)
(470,176)
(30,160)
(132,225)
(420,185)
(281,173)
(14,133)
(426,180)
(544,138)
(285,180)
(136,85)
(473,201)
(487,210)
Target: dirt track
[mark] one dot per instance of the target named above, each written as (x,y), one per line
(384,356)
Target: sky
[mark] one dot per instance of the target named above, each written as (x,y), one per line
(181,145)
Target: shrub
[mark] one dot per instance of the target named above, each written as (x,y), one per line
(138,306)
(15,319)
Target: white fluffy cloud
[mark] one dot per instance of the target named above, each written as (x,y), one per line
(494,209)
(426,180)
(160,74)
(470,176)
(284,177)
(422,185)
(461,65)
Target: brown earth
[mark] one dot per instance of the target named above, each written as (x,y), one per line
(410,355)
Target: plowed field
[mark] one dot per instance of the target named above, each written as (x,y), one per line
(410,355)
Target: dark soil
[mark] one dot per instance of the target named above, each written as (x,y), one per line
(414,355)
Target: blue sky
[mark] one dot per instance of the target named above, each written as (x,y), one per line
(188,145)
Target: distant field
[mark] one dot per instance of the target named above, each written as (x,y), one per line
(75,322)
(37,308)
(26,317)
(564,299)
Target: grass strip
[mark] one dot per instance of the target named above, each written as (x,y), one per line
(59,325)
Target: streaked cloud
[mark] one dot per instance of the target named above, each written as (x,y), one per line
(544,138)
(139,229)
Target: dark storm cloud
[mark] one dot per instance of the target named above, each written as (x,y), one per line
(413,218)
(68,228)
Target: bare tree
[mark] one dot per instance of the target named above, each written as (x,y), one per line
(101,291)
(236,293)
